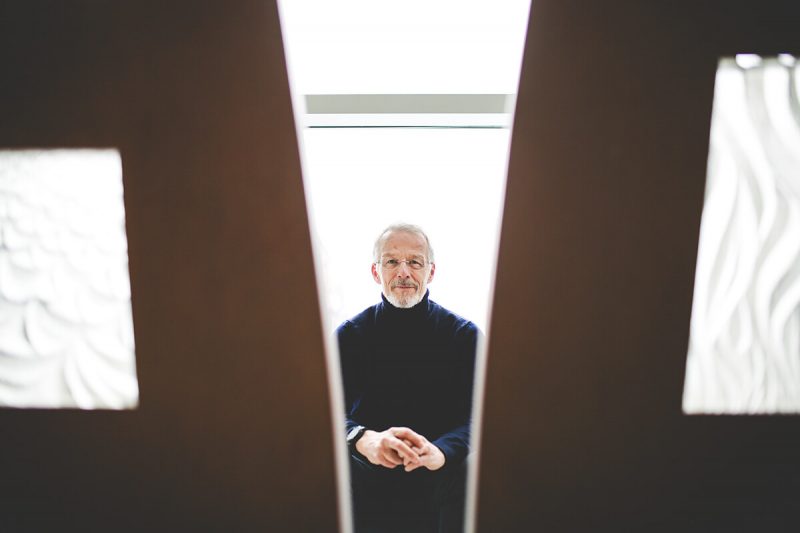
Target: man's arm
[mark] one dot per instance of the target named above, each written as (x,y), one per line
(350,347)
(454,444)
(452,447)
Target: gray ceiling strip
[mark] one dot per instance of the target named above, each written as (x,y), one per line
(405,103)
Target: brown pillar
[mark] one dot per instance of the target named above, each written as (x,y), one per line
(234,429)
(582,426)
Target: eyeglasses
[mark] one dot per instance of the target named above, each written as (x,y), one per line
(394,264)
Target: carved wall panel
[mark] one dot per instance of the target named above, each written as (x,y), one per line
(66,332)
(744,350)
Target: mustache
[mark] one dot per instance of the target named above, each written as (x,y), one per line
(404,284)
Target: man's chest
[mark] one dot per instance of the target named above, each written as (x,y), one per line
(410,363)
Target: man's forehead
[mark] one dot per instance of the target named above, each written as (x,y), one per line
(404,241)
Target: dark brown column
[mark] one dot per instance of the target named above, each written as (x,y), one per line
(234,428)
(583,428)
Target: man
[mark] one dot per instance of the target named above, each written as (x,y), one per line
(407,366)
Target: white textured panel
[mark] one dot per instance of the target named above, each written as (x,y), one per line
(66,331)
(744,348)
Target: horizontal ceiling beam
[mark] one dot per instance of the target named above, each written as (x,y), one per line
(409,110)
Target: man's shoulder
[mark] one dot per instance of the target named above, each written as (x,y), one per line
(449,319)
(362,320)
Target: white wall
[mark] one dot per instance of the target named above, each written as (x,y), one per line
(449,181)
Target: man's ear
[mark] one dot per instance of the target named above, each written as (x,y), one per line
(375,275)
(433,269)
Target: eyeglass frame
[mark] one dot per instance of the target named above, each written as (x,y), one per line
(408,262)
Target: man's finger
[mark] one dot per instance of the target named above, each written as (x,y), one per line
(422,462)
(401,448)
(392,457)
(409,435)
(381,461)
(410,461)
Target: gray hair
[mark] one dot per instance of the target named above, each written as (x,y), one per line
(404,228)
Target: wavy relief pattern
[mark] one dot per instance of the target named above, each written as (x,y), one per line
(66,333)
(744,348)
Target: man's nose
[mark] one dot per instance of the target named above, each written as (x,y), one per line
(404,271)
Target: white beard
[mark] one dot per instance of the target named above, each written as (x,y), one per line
(404,303)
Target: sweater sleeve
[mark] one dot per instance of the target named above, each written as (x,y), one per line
(455,444)
(349,349)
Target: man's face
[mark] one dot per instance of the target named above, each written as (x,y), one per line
(403,286)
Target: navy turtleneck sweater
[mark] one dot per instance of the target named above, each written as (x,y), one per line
(412,368)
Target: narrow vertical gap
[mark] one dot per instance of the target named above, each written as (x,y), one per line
(413,149)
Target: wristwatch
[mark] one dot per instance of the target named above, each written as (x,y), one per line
(353,435)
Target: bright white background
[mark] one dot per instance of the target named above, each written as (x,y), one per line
(414,46)
(450,181)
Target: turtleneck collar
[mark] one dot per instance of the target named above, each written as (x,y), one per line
(420,309)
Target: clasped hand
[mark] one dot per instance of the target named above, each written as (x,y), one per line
(400,446)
